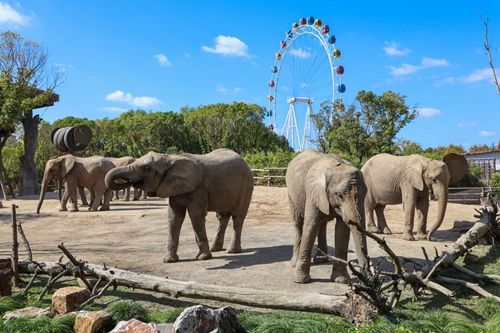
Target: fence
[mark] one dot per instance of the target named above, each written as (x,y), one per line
(269,176)
(469,195)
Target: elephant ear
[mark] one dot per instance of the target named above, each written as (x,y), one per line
(457,166)
(182,175)
(414,173)
(67,163)
(316,189)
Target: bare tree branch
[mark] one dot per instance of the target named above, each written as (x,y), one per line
(487,47)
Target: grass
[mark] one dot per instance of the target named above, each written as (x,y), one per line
(63,324)
(126,310)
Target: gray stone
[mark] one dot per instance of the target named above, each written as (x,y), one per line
(133,326)
(29,312)
(200,319)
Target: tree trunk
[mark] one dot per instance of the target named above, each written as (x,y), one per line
(27,168)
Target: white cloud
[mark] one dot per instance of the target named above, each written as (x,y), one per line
(113,109)
(224,90)
(467,125)
(9,16)
(187,55)
(426,62)
(430,62)
(163,60)
(139,101)
(228,46)
(428,112)
(487,133)
(484,74)
(446,80)
(300,53)
(392,49)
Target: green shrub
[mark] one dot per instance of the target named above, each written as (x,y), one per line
(126,310)
(39,325)
(165,316)
(495,180)
(488,307)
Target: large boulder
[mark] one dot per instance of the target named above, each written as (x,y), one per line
(29,312)
(92,321)
(69,299)
(201,319)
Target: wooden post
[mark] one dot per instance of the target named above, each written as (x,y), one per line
(15,249)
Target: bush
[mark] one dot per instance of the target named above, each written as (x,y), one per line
(472,178)
(495,180)
(126,310)
(38,325)
(165,316)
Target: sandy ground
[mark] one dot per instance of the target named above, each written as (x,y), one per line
(132,236)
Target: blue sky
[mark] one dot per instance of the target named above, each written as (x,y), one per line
(162,55)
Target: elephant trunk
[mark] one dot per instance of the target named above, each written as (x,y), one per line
(357,216)
(442,196)
(45,183)
(118,178)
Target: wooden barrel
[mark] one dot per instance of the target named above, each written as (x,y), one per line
(71,139)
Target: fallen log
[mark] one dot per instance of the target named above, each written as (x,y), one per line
(315,302)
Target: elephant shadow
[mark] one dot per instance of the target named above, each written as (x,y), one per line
(255,256)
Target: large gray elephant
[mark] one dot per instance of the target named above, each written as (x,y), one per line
(85,172)
(219,182)
(392,180)
(322,188)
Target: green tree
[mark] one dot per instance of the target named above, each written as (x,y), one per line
(363,130)
(237,126)
(408,147)
(25,85)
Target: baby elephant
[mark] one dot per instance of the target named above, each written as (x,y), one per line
(322,188)
(219,182)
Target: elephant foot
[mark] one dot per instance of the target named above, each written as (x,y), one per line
(339,274)
(320,259)
(62,209)
(293,261)
(171,258)
(92,209)
(408,237)
(234,249)
(421,236)
(387,231)
(103,208)
(302,277)
(204,256)
(373,228)
(73,210)
(216,247)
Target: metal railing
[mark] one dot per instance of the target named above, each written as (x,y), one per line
(269,176)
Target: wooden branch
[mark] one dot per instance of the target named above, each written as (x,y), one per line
(488,53)
(51,282)
(25,241)
(96,296)
(15,249)
(37,270)
(472,286)
(474,275)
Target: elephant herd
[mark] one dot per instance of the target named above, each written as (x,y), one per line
(321,188)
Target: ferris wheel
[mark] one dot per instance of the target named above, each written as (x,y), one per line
(305,75)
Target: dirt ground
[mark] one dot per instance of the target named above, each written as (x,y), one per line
(132,236)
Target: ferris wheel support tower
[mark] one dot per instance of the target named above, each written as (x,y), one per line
(290,129)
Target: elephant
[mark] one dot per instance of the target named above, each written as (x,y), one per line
(85,172)
(392,180)
(323,187)
(219,181)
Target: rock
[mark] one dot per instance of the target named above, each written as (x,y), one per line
(29,312)
(133,326)
(5,262)
(5,282)
(92,322)
(200,319)
(69,299)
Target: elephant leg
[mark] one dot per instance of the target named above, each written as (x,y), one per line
(298,223)
(218,242)
(175,219)
(137,194)
(126,196)
(235,246)
(370,221)
(422,210)
(71,189)
(321,255)
(339,270)
(83,196)
(106,200)
(309,234)
(382,223)
(200,232)
(64,201)
(116,195)
(97,199)
(409,209)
